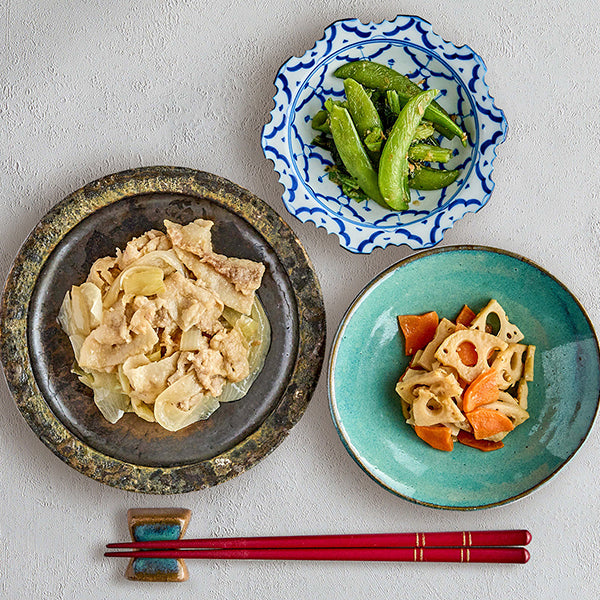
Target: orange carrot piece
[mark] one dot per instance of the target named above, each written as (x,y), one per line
(486,422)
(466,438)
(465,316)
(482,390)
(437,436)
(418,330)
(467,354)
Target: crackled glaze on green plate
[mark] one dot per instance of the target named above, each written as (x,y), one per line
(368,358)
(133,454)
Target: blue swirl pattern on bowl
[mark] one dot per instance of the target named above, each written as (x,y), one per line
(409,45)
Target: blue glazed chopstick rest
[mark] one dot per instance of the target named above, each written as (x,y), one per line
(146,524)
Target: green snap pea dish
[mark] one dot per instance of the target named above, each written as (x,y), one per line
(384,134)
(380,139)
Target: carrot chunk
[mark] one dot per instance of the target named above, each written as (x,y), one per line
(418,330)
(465,316)
(437,436)
(482,390)
(467,354)
(486,422)
(467,439)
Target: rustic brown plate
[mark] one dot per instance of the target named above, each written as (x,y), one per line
(133,454)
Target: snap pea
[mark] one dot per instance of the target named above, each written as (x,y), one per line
(365,116)
(330,102)
(375,75)
(373,141)
(352,153)
(361,108)
(393,164)
(424,131)
(393,101)
(426,178)
(429,153)
(320,121)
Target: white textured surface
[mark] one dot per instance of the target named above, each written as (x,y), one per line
(91,87)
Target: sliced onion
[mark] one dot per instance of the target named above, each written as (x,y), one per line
(108,394)
(143,410)
(166,260)
(142,281)
(192,340)
(168,409)
(260,343)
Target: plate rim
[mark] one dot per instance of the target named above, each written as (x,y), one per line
(348,314)
(14,345)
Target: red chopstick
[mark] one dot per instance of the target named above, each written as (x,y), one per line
(511,537)
(462,554)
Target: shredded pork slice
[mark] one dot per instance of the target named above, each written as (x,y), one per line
(232,345)
(114,328)
(195,237)
(245,275)
(190,304)
(208,369)
(233,279)
(224,358)
(148,379)
(137,247)
(144,312)
(169,338)
(98,356)
(154,311)
(210,279)
(100,273)
(209,366)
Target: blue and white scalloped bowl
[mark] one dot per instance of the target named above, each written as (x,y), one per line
(409,45)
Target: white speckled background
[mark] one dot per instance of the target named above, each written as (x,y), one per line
(91,87)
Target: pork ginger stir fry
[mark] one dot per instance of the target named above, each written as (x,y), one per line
(464,382)
(167,328)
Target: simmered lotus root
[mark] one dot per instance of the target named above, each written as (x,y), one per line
(430,409)
(522,393)
(528,369)
(444,329)
(415,359)
(507,398)
(406,406)
(440,383)
(485,345)
(509,365)
(410,373)
(405,409)
(507,332)
(458,384)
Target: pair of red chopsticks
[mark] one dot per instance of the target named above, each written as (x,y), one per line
(503,546)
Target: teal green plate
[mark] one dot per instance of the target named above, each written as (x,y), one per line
(368,357)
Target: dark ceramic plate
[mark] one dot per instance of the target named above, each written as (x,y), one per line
(133,454)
